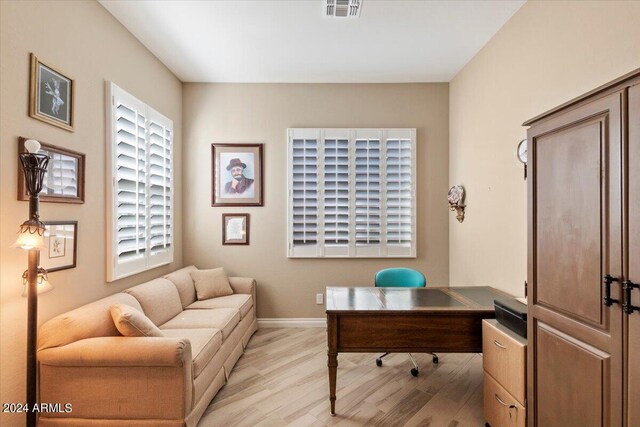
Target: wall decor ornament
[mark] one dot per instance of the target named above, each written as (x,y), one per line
(237,175)
(456,201)
(61,244)
(64,180)
(51,95)
(235,229)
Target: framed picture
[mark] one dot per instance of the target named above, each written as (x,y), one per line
(235,229)
(236,175)
(64,180)
(61,241)
(51,95)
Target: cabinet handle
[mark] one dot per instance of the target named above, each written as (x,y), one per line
(607,280)
(627,287)
(499,345)
(500,401)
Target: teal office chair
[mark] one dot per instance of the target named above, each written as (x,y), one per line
(402,278)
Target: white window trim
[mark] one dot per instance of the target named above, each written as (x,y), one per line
(383,250)
(116,271)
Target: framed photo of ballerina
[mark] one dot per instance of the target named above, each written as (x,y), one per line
(51,95)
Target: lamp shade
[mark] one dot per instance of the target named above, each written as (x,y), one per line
(42,282)
(31,235)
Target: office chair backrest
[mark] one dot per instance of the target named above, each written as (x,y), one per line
(400,278)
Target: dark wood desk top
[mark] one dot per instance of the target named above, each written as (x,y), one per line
(344,300)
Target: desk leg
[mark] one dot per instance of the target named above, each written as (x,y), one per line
(333,373)
(332,356)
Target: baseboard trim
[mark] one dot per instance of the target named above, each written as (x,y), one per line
(293,322)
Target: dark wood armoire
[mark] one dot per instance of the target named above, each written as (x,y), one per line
(584,260)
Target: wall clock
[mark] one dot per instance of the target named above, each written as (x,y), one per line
(522,151)
(522,154)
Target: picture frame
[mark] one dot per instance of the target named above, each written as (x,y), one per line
(235,228)
(51,95)
(61,241)
(237,175)
(64,180)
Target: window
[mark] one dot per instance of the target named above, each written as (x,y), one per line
(140,187)
(352,193)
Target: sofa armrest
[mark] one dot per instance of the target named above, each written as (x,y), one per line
(119,351)
(119,378)
(243,285)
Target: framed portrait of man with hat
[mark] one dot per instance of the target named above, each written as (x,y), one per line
(236,174)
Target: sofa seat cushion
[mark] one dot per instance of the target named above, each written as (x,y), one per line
(205,343)
(241,302)
(224,319)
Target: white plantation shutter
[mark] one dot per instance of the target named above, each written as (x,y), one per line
(368,195)
(335,192)
(140,194)
(130,177)
(399,194)
(160,197)
(359,200)
(303,207)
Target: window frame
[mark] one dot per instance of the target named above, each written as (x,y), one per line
(384,249)
(119,270)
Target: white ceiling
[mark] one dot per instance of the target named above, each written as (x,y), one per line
(292,41)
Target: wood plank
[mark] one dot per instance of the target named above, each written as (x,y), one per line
(281,380)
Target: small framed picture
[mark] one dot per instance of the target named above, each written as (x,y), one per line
(51,95)
(237,175)
(64,180)
(235,229)
(61,241)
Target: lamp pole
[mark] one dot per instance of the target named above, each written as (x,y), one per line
(32,331)
(30,237)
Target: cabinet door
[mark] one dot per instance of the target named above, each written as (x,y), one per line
(633,256)
(575,237)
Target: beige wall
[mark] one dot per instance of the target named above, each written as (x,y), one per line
(262,113)
(546,54)
(85,41)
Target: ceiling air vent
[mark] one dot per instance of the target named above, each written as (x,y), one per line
(343,8)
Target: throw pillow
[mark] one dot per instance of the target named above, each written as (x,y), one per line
(133,323)
(211,283)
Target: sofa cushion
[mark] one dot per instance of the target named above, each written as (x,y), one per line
(133,323)
(159,299)
(205,343)
(211,283)
(89,321)
(184,283)
(224,319)
(241,302)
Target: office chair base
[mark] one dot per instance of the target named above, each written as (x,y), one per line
(414,372)
(435,359)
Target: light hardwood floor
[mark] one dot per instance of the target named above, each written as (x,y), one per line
(282,380)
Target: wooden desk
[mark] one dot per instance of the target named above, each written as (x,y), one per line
(420,320)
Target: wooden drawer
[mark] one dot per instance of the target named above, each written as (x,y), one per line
(504,357)
(500,408)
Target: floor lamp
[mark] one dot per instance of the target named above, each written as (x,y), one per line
(31,238)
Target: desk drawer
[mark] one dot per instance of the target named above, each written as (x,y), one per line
(500,408)
(504,357)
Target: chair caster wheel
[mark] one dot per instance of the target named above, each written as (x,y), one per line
(414,372)
(435,359)
(378,362)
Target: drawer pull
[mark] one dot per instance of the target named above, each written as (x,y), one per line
(499,345)
(500,401)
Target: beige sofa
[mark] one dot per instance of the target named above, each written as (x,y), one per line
(111,380)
